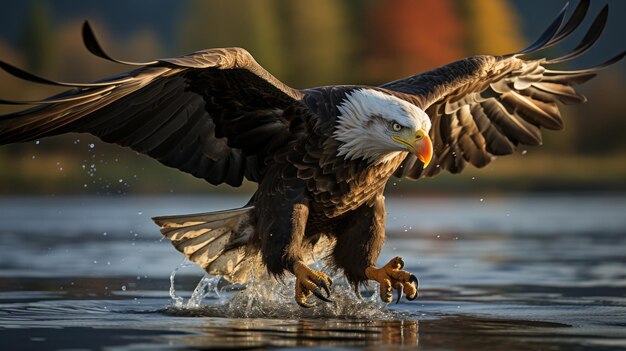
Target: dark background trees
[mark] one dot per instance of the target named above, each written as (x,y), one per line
(304,44)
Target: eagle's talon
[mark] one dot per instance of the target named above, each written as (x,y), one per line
(319,295)
(392,276)
(310,282)
(399,290)
(326,288)
(305,304)
(415,283)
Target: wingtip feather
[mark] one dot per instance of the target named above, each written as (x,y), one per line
(575,20)
(91,43)
(591,37)
(605,64)
(548,35)
(27,76)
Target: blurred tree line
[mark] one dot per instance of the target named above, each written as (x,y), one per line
(304,44)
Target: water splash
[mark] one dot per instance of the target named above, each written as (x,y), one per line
(205,288)
(267,297)
(179,301)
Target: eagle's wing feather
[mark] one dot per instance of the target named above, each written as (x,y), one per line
(484,106)
(214,114)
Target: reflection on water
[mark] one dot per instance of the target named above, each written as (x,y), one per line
(511,274)
(255,333)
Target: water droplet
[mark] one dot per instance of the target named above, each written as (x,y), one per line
(438,236)
(108,263)
(473,178)
(91,146)
(95,262)
(37,142)
(481,200)
(33,157)
(120,180)
(524,152)
(123,287)
(140,213)
(104,234)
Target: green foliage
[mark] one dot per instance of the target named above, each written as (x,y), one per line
(316,41)
(299,43)
(253,25)
(37,38)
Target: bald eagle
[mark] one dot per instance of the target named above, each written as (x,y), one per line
(321,157)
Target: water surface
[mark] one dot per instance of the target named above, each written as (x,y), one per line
(544,273)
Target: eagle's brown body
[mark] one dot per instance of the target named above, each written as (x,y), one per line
(308,185)
(321,157)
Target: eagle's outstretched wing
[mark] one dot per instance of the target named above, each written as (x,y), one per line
(484,105)
(215,114)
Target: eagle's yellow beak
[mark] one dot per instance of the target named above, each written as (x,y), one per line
(424,150)
(420,145)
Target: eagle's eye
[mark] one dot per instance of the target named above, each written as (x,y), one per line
(396,127)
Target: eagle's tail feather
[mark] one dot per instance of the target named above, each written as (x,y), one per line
(216,241)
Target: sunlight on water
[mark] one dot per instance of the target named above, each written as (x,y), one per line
(514,274)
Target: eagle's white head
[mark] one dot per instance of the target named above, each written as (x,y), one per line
(377,127)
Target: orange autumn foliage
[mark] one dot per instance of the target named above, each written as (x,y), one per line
(407,36)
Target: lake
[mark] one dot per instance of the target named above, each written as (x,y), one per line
(506,273)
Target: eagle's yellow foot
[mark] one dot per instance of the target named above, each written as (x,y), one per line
(310,282)
(392,276)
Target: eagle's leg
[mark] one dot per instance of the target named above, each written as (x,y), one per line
(310,282)
(359,243)
(392,276)
(281,227)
